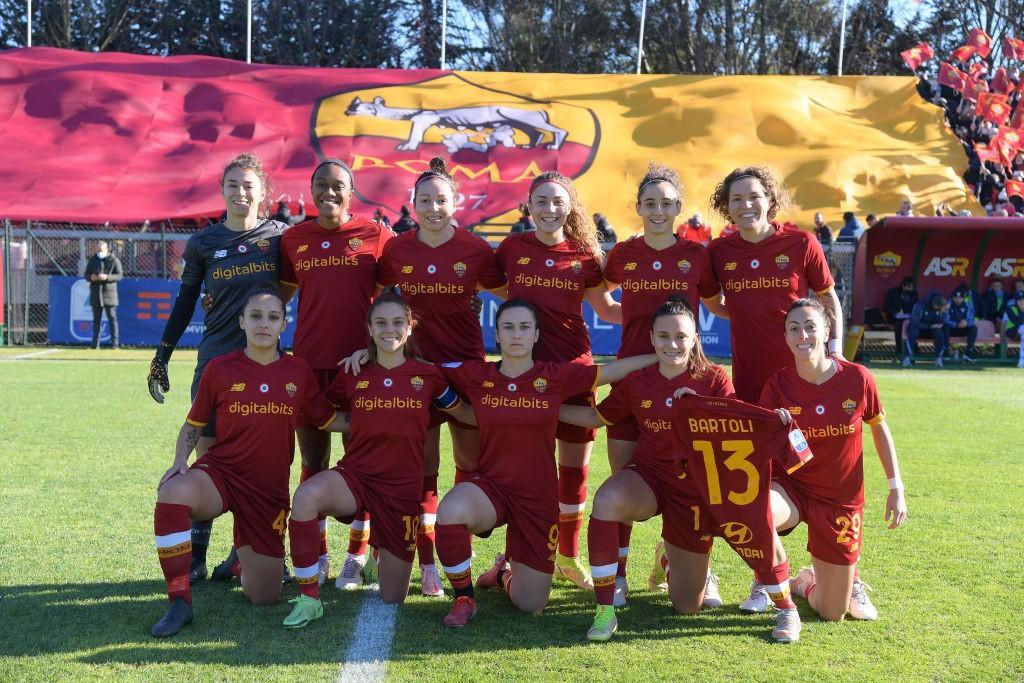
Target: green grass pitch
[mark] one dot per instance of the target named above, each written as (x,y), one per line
(83,446)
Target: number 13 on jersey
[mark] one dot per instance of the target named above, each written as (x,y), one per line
(735,456)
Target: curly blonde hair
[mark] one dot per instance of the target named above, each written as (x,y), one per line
(778,197)
(249,161)
(579,227)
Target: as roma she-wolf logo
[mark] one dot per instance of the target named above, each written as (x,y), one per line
(497,141)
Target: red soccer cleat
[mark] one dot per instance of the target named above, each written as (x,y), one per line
(489,579)
(462,611)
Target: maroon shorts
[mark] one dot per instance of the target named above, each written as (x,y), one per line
(572,433)
(394,522)
(684,519)
(261,518)
(834,532)
(324,378)
(532,534)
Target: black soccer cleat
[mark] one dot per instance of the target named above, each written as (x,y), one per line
(197,572)
(222,572)
(178,615)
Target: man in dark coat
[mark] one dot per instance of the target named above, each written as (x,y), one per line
(103,272)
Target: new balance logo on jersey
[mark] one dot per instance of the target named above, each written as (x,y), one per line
(302,248)
(220,253)
(523,261)
(238,386)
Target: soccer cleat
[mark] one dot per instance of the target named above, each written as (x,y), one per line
(571,569)
(461,612)
(907,362)
(621,592)
(712,598)
(757,601)
(286,576)
(323,570)
(351,575)
(860,604)
(369,570)
(178,615)
(197,572)
(605,624)
(489,579)
(658,581)
(223,571)
(938,362)
(787,626)
(306,609)
(803,580)
(430,581)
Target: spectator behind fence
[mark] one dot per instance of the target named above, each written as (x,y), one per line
(899,304)
(284,213)
(870,219)
(605,232)
(996,301)
(1013,321)
(525,223)
(906,207)
(405,222)
(380,218)
(824,233)
(695,230)
(852,228)
(103,272)
(960,321)
(927,321)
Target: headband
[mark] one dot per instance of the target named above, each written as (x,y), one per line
(652,180)
(540,180)
(427,175)
(340,164)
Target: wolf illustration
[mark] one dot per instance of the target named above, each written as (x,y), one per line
(533,123)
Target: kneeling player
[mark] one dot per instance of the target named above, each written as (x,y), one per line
(382,471)
(256,394)
(516,404)
(652,482)
(832,398)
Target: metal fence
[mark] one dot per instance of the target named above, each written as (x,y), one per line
(33,251)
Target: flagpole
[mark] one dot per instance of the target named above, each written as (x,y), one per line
(248,32)
(28,23)
(444,32)
(640,39)
(842,38)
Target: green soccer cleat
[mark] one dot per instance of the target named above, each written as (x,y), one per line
(658,581)
(572,569)
(369,570)
(306,609)
(605,624)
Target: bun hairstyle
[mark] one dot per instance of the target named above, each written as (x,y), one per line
(335,161)
(250,162)
(808,302)
(265,289)
(778,197)
(660,173)
(677,304)
(438,169)
(390,295)
(579,227)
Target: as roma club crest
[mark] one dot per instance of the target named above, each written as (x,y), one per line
(684,266)
(576,266)
(494,139)
(459,268)
(849,405)
(355,243)
(291,389)
(417,383)
(263,245)
(782,261)
(540,384)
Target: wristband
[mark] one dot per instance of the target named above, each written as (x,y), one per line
(895,484)
(833,346)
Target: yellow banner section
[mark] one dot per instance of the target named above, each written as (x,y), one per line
(857,144)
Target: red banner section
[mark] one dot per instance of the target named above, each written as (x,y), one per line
(940,253)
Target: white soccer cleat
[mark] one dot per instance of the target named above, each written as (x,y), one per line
(621,591)
(860,604)
(803,581)
(430,581)
(351,576)
(323,570)
(787,626)
(712,598)
(757,601)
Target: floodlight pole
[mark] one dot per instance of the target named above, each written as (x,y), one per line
(842,38)
(248,32)
(28,23)
(444,31)
(640,40)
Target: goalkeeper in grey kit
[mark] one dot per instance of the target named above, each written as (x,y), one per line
(226,259)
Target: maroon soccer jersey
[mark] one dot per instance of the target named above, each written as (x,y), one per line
(760,281)
(257,407)
(336,272)
(555,280)
(517,418)
(646,395)
(648,277)
(390,412)
(439,283)
(831,417)
(730,447)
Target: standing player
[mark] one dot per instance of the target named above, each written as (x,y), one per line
(729,448)
(332,261)
(649,269)
(516,404)
(555,269)
(439,269)
(833,399)
(382,470)
(653,482)
(256,394)
(226,259)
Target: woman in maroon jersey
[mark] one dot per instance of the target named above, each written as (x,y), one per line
(832,398)
(651,484)
(382,470)
(516,402)
(555,269)
(256,394)
(439,270)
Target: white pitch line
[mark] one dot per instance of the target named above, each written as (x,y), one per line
(34,354)
(370,650)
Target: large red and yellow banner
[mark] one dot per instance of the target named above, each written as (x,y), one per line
(115,137)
